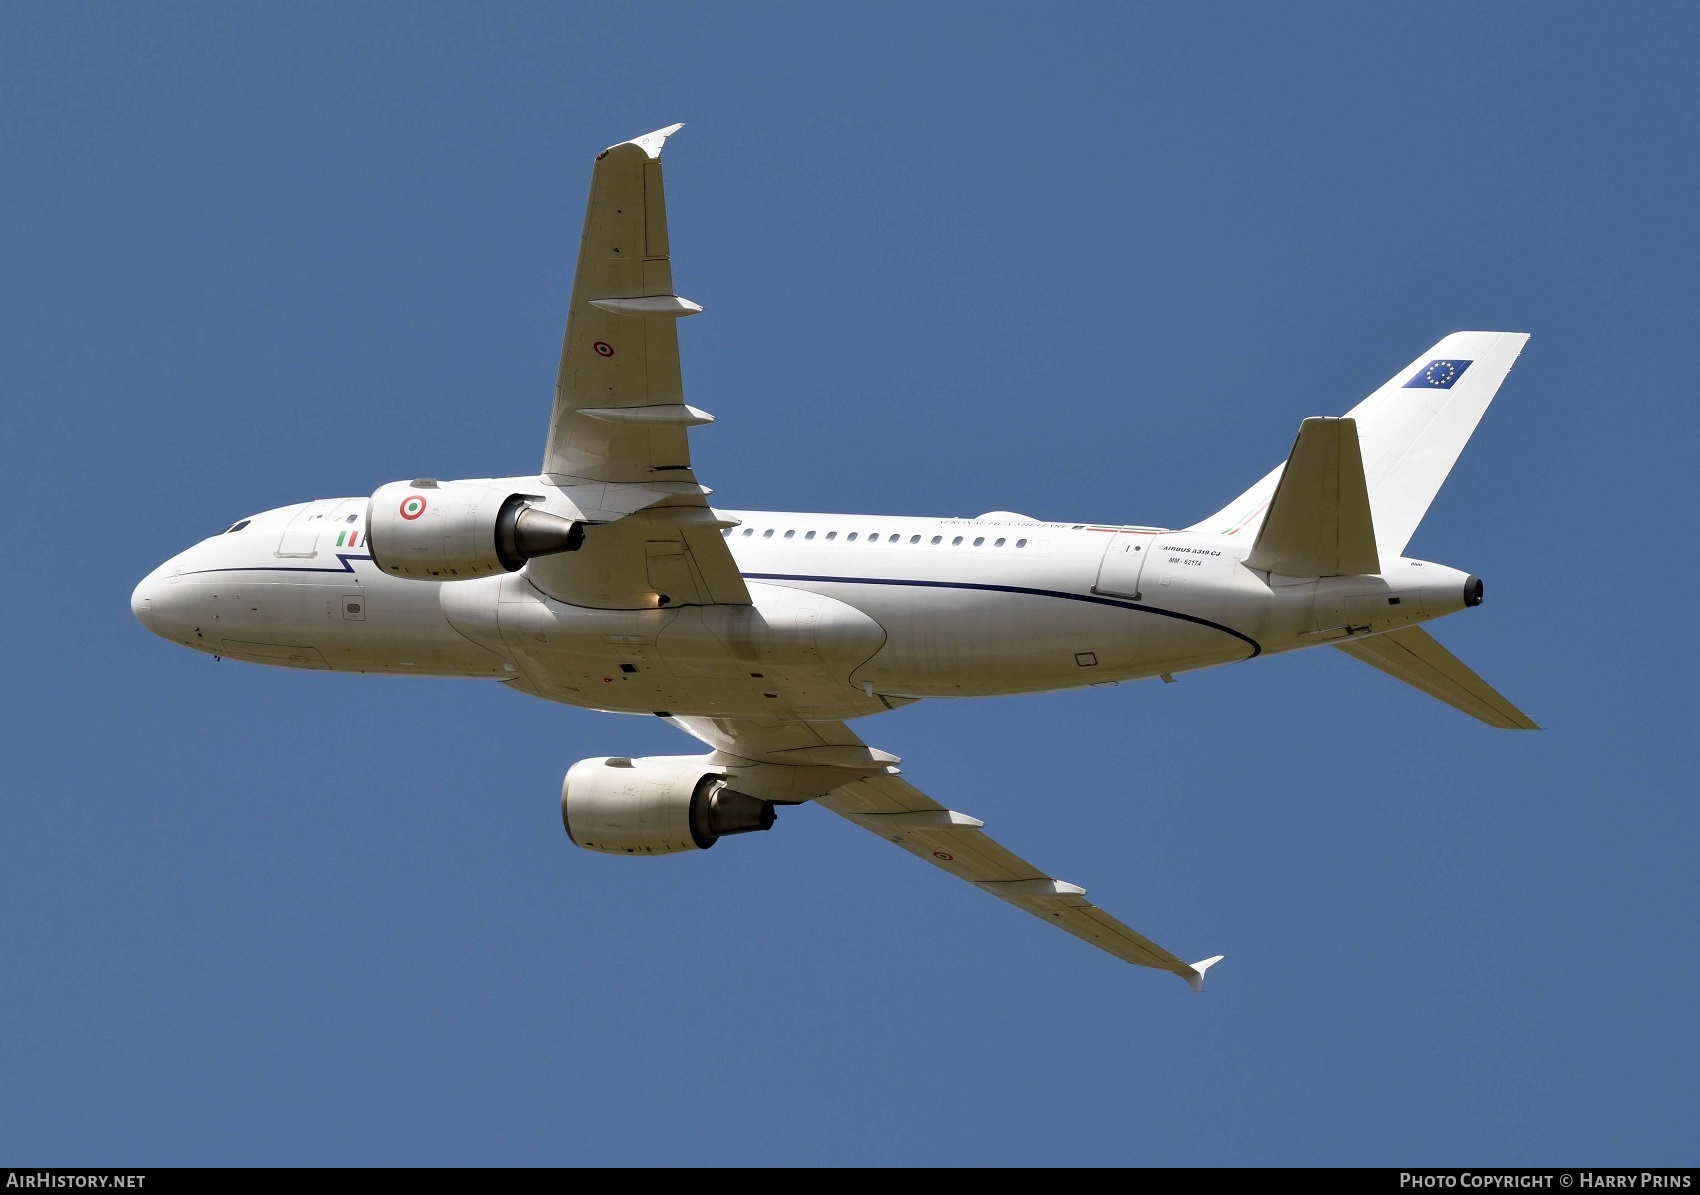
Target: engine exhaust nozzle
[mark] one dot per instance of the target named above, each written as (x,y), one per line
(523,532)
(717,811)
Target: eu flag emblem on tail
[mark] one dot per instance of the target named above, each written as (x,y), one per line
(1437,375)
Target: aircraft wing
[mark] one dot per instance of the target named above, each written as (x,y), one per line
(860,784)
(618,435)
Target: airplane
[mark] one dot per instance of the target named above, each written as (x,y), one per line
(608,581)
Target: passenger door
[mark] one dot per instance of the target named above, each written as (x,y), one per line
(300,539)
(1124,562)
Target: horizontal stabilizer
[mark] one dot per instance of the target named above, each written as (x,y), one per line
(1318,523)
(1411,654)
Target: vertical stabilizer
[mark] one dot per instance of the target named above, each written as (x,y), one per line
(1410,432)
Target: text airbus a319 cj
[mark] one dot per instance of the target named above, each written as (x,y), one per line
(607,580)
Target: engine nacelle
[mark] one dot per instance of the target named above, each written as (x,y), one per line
(454,530)
(655,806)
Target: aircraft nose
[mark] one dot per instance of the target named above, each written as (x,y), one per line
(141,603)
(142,600)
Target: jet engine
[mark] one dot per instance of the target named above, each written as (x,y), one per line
(655,806)
(452,530)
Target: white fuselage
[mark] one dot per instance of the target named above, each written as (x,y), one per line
(850,614)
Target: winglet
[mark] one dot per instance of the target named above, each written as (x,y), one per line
(1196,979)
(650,143)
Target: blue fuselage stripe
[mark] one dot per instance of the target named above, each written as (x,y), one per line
(280,568)
(1094,599)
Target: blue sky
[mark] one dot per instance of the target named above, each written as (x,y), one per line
(1086,263)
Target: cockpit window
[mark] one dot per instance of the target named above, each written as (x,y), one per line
(239,526)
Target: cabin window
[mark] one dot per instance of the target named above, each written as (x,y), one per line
(914,539)
(999,544)
(832,535)
(938,539)
(749,531)
(789,534)
(851,537)
(768,534)
(810,535)
(957,542)
(978,540)
(893,539)
(351,518)
(1021,543)
(726,533)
